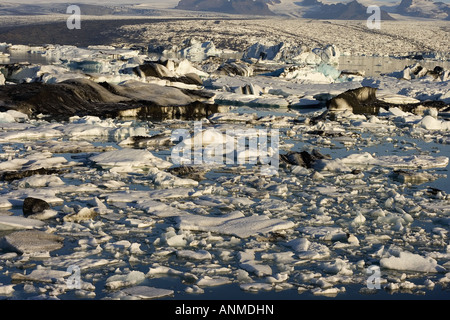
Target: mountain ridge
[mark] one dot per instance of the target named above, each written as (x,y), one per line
(314,9)
(424,9)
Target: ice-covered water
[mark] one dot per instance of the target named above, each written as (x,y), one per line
(127,227)
(132,242)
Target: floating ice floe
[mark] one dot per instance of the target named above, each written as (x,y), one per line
(40,181)
(31,241)
(140,196)
(198,255)
(33,164)
(235,223)
(308,250)
(208,281)
(142,293)
(167,180)
(45,275)
(119,281)
(396,98)
(44,74)
(248,262)
(129,160)
(395,162)
(325,233)
(18,223)
(431,123)
(408,261)
(159,209)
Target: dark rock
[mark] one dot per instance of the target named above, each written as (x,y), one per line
(82,97)
(304,158)
(188,172)
(352,10)
(33,206)
(17,175)
(355,100)
(160,70)
(190,78)
(364,101)
(153,69)
(235,69)
(159,140)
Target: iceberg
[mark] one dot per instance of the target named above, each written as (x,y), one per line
(198,51)
(287,52)
(431,123)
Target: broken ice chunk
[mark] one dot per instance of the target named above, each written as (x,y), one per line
(234,224)
(411,262)
(143,293)
(31,241)
(119,281)
(42,275)
(325,233)
(195,255)
(308,250)
(16,223)
(248,262)
(129,160)
(165,179)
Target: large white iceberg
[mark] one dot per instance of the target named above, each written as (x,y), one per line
(198,51)
(329,54)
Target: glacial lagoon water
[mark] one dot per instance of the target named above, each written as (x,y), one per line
(372,66)
(399,142)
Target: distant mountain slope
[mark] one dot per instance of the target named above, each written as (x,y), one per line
(10,8)
(340,11)
(424,9)
(307,8)
(248,7)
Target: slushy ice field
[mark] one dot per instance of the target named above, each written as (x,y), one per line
(366,216)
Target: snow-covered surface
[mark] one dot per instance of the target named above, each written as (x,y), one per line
(125,217)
